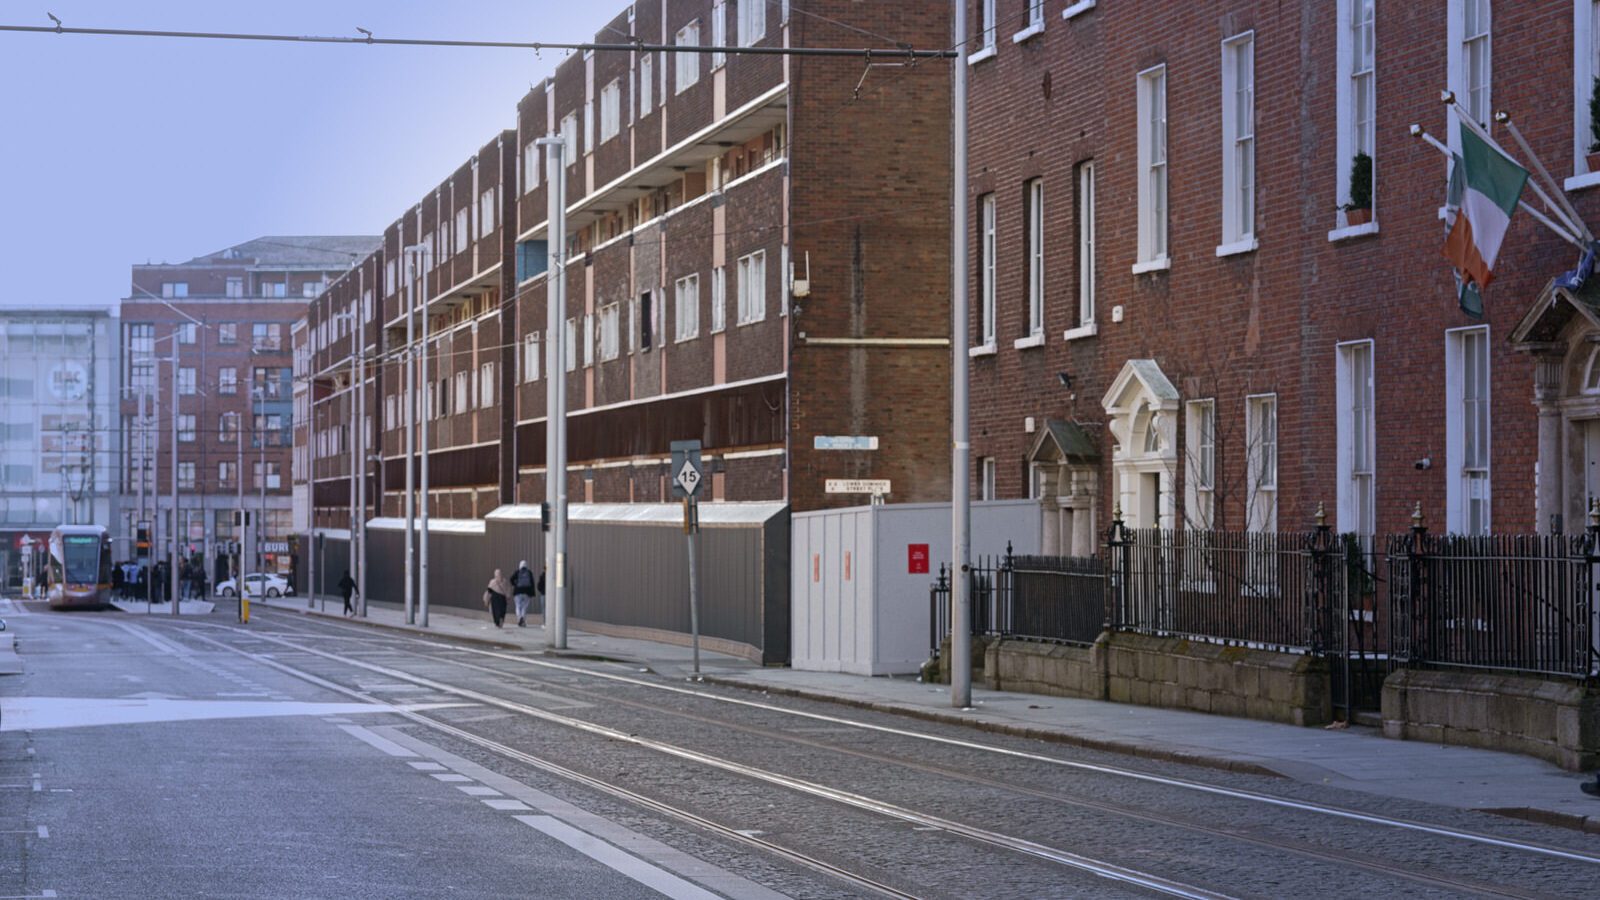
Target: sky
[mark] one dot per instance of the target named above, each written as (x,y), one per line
(116,151)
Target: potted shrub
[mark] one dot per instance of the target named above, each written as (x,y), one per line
(1359,210)
(1593,157)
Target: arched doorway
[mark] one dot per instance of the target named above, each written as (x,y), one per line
(1142,416)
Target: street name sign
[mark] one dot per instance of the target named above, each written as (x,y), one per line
(845,442)
(857,486)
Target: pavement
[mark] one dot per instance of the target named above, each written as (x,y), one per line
(1354,758)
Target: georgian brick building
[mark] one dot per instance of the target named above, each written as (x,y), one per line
(1194,298)
(758,254)
(227,316)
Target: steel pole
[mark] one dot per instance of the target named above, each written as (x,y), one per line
(422,577)
(410,425)
(172,560)
(358,533)
(555,475)
(691,525)
(238,535)
(354,438)
(960,525)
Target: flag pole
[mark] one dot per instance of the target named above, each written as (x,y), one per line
(1465,118)
(1572,216)
(1561,231)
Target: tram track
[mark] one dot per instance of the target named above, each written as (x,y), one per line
(1098,868)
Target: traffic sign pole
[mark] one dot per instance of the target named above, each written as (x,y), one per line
(686,481)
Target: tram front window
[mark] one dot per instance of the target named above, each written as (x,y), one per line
(82,553)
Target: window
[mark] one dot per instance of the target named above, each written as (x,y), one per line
(186,381)
(1475,59)
(719,30)
(186,476)
(234,288)
(588,126)
(647,69)
(1357,97)
(646,320)
(311,289)
(187,331)
(688,63)
(1238,144)
(266,336)
(227,380)
(531,167)
(588,341)
(610,111)
(186,429)
(986,272)
(1086,263)
(227,428)
(141,339)
(530,357)
(1152,109)
(686,305)
(752,287)
(463,393)
(141,376)
(570,347)
(1035,13)
(273,476)
(1033,204)
(486,386)
(986,478)
(274,289)
(569,136)
(719,299)
(1585,68)
(1201,463)
(226,473)
(1261,433)
(1467,430)
(1356,438)
(463,229)
(752,21)
(610,332)
(170,289)
(228,333)
(986,25)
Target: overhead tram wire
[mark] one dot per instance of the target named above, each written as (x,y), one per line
(901,52)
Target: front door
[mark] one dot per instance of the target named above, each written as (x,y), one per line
(1591,465)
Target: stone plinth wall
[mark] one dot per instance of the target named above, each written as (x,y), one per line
(1554,720)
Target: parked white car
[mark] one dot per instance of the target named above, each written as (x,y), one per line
(257,585)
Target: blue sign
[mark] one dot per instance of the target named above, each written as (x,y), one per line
(845,442)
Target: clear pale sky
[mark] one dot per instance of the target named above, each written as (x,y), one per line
(116,151)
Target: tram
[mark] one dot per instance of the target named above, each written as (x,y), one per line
(80,567)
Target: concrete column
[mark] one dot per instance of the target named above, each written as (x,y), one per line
(1552,468)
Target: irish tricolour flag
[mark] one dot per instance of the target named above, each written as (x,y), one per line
(1489,183)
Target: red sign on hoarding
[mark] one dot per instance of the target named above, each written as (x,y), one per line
(917,559)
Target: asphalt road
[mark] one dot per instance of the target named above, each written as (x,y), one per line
(310,758)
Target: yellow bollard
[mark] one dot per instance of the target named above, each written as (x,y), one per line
(244,610)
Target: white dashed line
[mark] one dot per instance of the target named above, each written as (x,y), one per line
(506,804)
(477,790)
(427,767)
(450,777)
(624,864)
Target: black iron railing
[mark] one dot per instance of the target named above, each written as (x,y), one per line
(1046,598)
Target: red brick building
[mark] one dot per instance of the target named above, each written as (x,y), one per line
(227,316)
(757,255)
(1192,299)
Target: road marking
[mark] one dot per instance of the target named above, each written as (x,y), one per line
(450,777)
(477,790)
(384,744)
(658,880)
(427,767)
(41,831)
(506,804)
(35,713)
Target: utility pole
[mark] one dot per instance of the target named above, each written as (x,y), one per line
(960,522)
(238,534)
(555,442)
(172,560)
(410,425)
(426,254)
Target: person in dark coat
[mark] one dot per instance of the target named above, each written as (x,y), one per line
(117,584)
(523,585)
(347,585)
(494,597)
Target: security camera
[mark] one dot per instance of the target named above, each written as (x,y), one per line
(1424,463)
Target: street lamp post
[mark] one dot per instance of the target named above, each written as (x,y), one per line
(422,254)
(555,472)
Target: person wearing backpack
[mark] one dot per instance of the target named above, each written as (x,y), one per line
(523,587)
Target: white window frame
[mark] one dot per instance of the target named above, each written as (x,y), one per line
(719,299)
(186,476)
(1356,46)
(486,385)
(610,332)
(986,274)
(719,31)
(1463,47)
(186,381)
(1356,455)
(1468,421)
(647,70)
(531,154)
(986,33)
(530,357)
(1585,66)
(1238,145)
(752,22)
(1200,463)
(569,135)
(687,71)
(1261,448)
(588,340)
(988,471)
(463,229)
(610,110)
(752,286)
(686,308)
(228,380)
(488,220)
(1086,252)
(1154,197)
(462,390)
(1033,195)
(186,428)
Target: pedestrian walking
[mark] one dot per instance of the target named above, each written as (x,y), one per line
(346,586)
(494,597)
(116,581)
(523,585)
